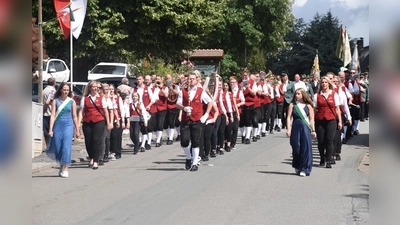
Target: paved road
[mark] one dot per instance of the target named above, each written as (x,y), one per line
(254,184)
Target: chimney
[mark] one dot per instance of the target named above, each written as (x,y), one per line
(360,43)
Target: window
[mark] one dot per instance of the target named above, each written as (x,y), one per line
(59,66)
(115,70)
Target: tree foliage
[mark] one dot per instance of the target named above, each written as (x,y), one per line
(303,41)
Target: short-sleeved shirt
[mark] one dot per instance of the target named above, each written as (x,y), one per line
(48,93)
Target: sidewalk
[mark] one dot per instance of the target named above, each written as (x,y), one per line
(79,154)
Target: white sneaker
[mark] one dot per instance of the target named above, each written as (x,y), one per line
(60,171)
(302,174)
(64,174)
(112,157)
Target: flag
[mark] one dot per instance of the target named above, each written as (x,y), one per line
(73,11)
(355,63)
(346,50)
(315,67)
(339,46)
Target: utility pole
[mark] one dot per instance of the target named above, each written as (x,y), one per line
(40,36)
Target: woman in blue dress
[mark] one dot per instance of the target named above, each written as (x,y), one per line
(301,131)
(62,120)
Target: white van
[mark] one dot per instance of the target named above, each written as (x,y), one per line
(108,70)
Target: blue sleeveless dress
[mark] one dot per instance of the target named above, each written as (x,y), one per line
(61,143)
(301,142)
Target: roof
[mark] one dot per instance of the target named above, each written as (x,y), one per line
(206,53)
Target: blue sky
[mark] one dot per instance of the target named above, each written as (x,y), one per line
(354,14)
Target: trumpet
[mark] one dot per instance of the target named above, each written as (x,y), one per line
(159,84)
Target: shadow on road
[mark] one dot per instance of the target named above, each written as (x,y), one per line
(277,173)
(166,169)
(46,176)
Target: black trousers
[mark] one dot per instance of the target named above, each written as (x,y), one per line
(221,131)
(256,117)
(151,124)
(248,114)
(134,133)
(214,136)
(171,118)
(284,113)
(116,140)
(262,113)
(235,128)
(241,122)
(337,142)
(93,133)
(279,109)
(267,113)
(326,131)
(362,110)
(272,117)
(205,140)
(228,129)
(160,118)
(366,110)
(190,133)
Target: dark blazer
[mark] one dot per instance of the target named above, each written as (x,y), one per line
(314,88)
(289,92)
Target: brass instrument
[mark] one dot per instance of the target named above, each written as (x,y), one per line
(159,84)
(171,92)
(212,86)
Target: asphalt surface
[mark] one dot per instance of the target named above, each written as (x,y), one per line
(253,184)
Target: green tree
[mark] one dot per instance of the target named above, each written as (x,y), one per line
(298,57)
(250,28)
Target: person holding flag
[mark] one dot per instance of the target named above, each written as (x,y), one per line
(301,108)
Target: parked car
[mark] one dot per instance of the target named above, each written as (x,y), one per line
(117,81)
(76,92)
(56,68)
(80,85)
(115,70)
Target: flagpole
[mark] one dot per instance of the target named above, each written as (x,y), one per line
(71,52)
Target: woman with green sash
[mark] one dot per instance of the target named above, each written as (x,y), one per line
(62,120)
(301,131)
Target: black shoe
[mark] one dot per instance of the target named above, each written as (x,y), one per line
(147,146)
(333,162)
(221,152)
(188,164)
(178,138)
(356,132)
(247,141)
(278,130)
(338,158)
(322,163)
(105,159)
(276,127)
(243,140)
(194,168)
(328,165)
(366,118)
(344,141)
(362,120)
(170,142)
(205,158)
(142,149)
(271,132)
(254,139)
(101,163)
(158,145)
(117,156)
(263,134)
(90,165)
(212,154)
(227,148)
(258,137)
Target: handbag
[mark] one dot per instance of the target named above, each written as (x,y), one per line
(96,107)
(141,118)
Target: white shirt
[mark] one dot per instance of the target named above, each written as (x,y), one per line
(122,107)
(241,96)
(140,91)
(271,91)
(335,98)
(300,84)
(278,94)
(343,101)
(106,103)
(192,92)
(228,103)
(142,110)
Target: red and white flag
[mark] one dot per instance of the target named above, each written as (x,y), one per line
(73,11)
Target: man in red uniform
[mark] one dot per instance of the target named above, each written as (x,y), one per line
(192,100)
(172,111)
(249,89)
(161,93)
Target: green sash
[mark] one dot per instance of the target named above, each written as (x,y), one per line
(303,115)
(62,108)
